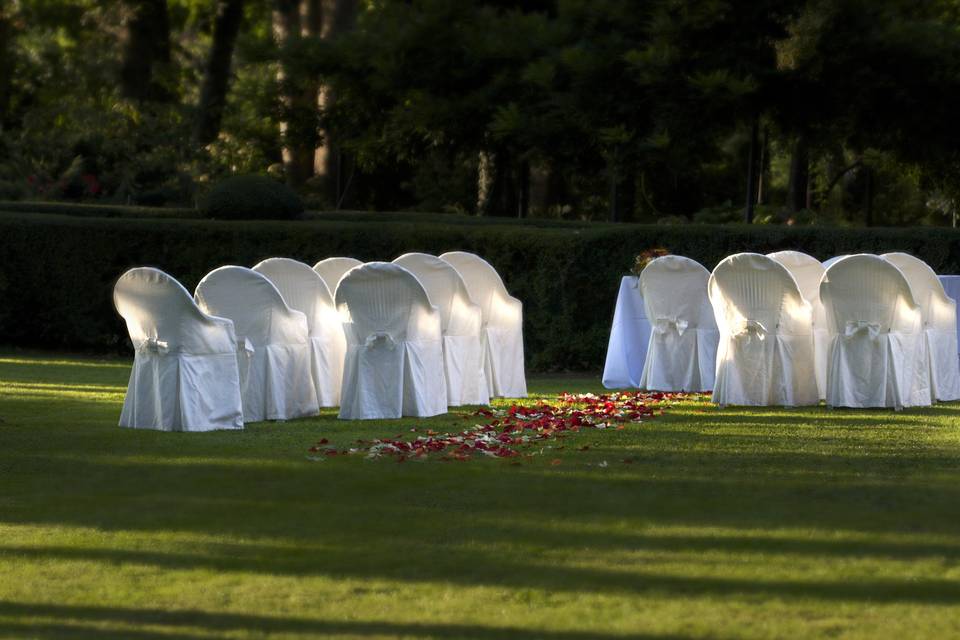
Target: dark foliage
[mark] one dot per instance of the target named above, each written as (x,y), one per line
(57,272)
(251,197)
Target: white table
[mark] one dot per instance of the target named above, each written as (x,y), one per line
(951,284)
(629,336)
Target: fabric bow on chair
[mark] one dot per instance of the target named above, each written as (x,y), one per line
(152,345)
(663,325)
(751,329)
(859,327)
(380,339)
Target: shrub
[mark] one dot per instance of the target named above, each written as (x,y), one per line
(58,271)
(251,197)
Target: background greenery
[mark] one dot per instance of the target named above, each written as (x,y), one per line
(759,523)
(57,271)
(842,110)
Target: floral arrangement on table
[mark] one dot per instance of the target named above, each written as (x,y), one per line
(646,257)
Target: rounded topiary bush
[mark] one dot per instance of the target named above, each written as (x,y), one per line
(251,197)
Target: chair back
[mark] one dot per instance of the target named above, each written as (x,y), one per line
(805,269)
(380,299)
(483,283)
(333,269)
(928,291)
(446,291)
(865,291)
(302,289)
(256,307)
(674,289)
(159,312)
(753,293)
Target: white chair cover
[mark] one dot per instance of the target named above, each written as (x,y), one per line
(462,322)
(502,324)
(305,291)
(394,363)
(765,355)
(829,262)
(682,350)
(877,354)
(275,365)
(332,269)
(808,271)
(939,313)
(185,375)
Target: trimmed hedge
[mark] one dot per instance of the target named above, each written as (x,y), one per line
(57,272)
(251,197)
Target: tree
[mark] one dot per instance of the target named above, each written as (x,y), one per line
(216,78)
(146,50)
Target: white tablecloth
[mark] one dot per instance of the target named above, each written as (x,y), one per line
(951,284)
(627,348)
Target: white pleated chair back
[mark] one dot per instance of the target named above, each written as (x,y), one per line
(676,287)
(878,354)
(939,313)
(502,324)
(829,262)
(394,360)
(927,289)
(157,307)
(865,288)
(805,269)
(682,350)
(381,298)
(750,291)
(333,269)
(252,302)
(766,351)
(302,289)
(446,291)
(275,377)
(185,375)
(462,324)
(483,283)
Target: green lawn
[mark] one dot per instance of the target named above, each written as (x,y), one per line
(727,524)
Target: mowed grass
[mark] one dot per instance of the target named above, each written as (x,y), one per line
(723,523)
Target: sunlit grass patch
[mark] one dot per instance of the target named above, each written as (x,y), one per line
(701,522)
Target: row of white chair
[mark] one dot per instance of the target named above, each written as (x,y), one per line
(784,329)
(282,339)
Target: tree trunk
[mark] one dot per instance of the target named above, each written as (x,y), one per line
(6,64)
(523,199)
(146,50)
(216,77)
(763,178)
(499,193)
(292,20)
(328,157)
(752,171)
(799,176)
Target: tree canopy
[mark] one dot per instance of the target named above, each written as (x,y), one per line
(829,111)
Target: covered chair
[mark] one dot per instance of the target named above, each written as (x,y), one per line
(305,291)
(461,322)
(877,352)
(332,269)
(939,313)
(394,362)
(682,351)
(808,271)
(502,337)
(185,375)
(765,355)
(829,262)
(275,365)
